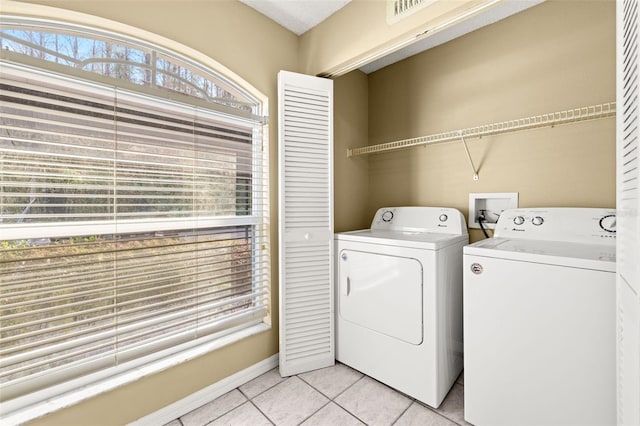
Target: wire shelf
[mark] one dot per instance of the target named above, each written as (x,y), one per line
(592,112)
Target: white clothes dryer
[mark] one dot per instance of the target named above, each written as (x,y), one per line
(539,320)
(399,299)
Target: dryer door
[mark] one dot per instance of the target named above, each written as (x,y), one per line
(381,292)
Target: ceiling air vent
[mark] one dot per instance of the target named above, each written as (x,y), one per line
(399,9)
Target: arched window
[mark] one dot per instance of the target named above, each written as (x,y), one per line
(133,204)
(123,61)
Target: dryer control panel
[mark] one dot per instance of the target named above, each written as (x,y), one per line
(420,219)
(580,225)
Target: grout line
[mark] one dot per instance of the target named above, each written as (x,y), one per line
(228,411)
(347,388)
(179,419)
(222,415)
(351,414)
(404,411)
(327,396)
(384,384)
(313,387)
(315,412)
(443,416)
(329,400)
(332,400)
(435,410)
(283,379)
(261,412)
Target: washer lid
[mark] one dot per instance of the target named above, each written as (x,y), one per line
(576,255)
(420,240)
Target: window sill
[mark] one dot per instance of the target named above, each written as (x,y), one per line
(47,401)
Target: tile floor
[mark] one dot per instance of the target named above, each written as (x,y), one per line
(333,396)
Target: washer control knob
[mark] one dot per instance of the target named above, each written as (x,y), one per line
(518,220)
(387,215)
(537,221)
(443,217)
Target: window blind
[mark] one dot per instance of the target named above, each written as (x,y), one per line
(128,225)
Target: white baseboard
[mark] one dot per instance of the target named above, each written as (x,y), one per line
(208,394)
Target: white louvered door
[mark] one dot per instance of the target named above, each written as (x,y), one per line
(628,207)
(305,143)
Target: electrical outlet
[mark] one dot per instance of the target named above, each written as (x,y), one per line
(490,206)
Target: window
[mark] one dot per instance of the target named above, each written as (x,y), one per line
(133,205)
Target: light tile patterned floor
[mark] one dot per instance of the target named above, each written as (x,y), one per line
(333,396)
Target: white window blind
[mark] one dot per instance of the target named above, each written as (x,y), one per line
(128,225)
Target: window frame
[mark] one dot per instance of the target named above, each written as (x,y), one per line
(28,407)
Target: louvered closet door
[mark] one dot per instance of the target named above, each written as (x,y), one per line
(628,208)
(305,128)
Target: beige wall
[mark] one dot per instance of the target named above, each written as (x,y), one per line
(555,56)
(351,175)
(255,48)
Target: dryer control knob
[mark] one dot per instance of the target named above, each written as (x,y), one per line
(608,223)
(443,217)
(537,221)
(518,220)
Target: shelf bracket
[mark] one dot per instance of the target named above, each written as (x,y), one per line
(466,148)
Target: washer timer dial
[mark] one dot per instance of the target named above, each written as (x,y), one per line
(387,215)
(608,223)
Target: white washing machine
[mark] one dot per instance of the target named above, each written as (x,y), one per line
(539,320)
(399,299)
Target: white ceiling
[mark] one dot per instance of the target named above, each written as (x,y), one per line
(299,16)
